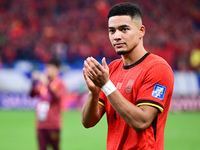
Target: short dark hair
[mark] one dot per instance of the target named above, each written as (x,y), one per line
(128,9)
(55,62)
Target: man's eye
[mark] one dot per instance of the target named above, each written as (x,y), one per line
(124,29)
(111,31)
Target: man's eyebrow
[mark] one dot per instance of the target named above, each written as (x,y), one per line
(122,26)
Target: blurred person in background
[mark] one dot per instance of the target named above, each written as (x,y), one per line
(50,89)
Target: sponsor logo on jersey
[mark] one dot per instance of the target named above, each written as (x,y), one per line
(119,85)
(129,86)
(159,91)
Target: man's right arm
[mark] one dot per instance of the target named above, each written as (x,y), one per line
(34,89)
(92,111)
(36,85)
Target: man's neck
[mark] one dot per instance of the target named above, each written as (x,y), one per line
(134,56)
(51,79)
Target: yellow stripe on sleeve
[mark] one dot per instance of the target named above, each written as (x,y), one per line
(101,103)
(150,104)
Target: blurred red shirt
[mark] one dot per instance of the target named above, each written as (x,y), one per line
(48,108)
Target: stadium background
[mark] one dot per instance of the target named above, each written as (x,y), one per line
(34,31)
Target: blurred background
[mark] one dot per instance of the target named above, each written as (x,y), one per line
(34,31)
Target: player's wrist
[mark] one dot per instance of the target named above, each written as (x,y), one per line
(95,92)
(108,88)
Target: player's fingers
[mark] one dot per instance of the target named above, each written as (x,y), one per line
(90,75)
(97,66)
(88,79)
(87,75)
(88,67)
(104,63)
(84,74)
(89,72)
(93,66)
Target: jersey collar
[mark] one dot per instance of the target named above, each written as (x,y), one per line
(137,62)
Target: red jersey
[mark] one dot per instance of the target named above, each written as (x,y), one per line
(48,108)
(149,81)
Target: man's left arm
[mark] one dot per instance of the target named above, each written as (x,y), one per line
(139,118)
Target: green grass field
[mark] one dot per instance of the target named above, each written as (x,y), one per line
(17,132)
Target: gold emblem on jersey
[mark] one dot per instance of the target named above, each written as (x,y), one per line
(129,86)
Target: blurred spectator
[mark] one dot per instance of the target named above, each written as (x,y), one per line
(195,59)
(50,90)
(38,30)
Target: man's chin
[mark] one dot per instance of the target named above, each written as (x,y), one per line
(122,52)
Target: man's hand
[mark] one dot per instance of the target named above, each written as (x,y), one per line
(91,86)
(43,79)
(35,75)
(97,73)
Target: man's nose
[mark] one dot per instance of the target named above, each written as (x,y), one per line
(117,35)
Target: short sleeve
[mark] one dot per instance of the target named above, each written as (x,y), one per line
(102,98)
(156,87)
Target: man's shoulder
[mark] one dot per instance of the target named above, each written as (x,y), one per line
(157,66)
(59,81)
(156,61)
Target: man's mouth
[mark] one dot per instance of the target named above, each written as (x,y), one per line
(118,45)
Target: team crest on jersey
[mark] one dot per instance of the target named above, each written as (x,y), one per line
(159,91)
(129,86)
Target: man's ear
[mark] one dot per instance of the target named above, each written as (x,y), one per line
(142,31)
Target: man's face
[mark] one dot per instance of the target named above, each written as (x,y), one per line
(51,71)
(124,33)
